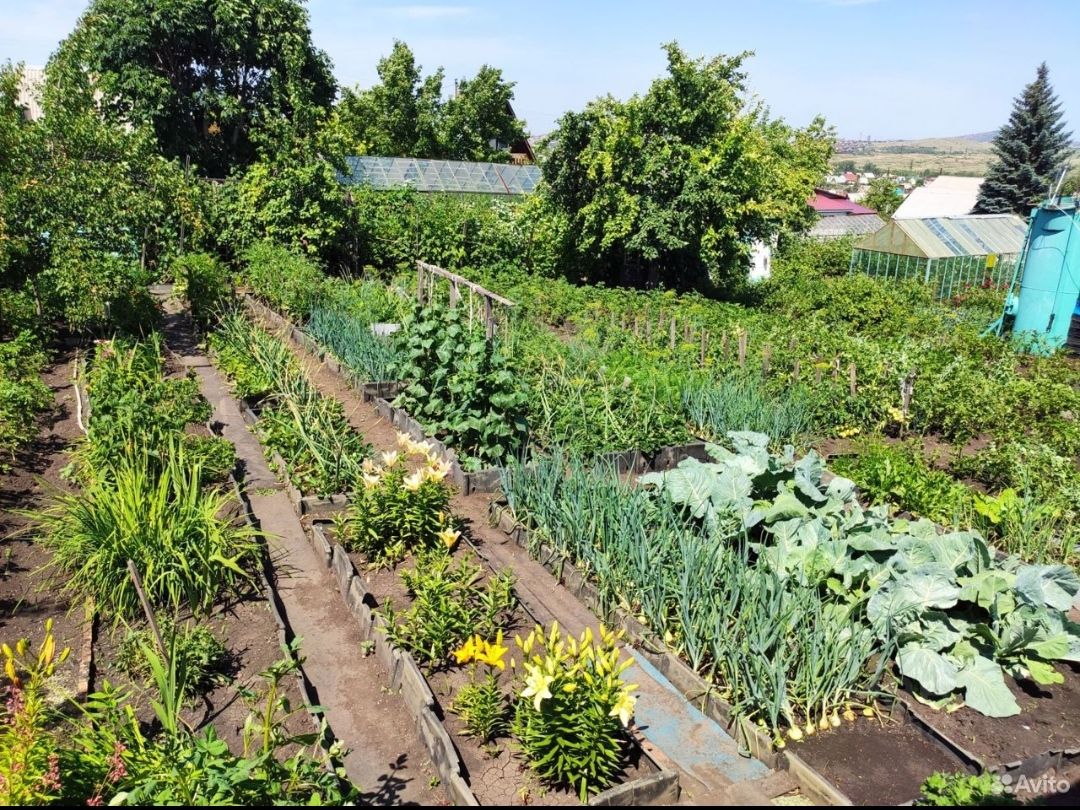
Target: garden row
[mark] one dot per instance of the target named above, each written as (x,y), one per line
(395,506)
(150,537)
(983,641)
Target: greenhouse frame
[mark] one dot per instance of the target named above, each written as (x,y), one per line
(448,176)
(949,252)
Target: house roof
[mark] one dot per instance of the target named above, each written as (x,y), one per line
(944,237)
(943,196)
(833,202)
(455,176)
(836,227)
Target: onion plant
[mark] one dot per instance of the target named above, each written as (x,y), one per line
(716,406)
(353,343)
(322,453)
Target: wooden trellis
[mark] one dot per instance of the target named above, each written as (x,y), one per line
(481,301)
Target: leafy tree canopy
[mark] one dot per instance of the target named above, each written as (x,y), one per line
(882,197)
(1030,151)
(204,75)
(405,115)
(674,186)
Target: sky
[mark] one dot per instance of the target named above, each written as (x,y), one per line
(883,69)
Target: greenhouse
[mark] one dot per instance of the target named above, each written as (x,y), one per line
(949,252)
(450,176)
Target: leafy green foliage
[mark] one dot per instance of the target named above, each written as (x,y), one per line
(23,394)
(673,186)
(106,757)
(450,603)
(882,197)
(742,403)
(203,281)
(291,283)
(900,475)
(134,408)
(404,115)
(460,388)
(157,513)
(199,655)
(398,511)
(963,790)
(204,76)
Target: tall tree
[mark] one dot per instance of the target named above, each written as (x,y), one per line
(203,74)
(882,197)
(1030,151)
(399,116)
(478,122)
(675,186)
(405,115)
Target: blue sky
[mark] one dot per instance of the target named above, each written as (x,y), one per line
(879,68)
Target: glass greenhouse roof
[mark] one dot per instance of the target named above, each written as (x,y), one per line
(944,237)
(454,176)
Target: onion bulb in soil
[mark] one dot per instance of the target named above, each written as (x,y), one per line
(794,733)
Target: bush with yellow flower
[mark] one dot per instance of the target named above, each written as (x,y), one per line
(403,505)
(572,706)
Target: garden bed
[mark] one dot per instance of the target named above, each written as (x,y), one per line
(832,767)
(489,779)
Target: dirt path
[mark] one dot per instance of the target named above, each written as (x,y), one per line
(678,736)
(386,757)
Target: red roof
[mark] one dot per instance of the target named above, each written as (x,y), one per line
(832,202)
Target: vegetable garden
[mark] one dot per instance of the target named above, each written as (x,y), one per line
(283,461)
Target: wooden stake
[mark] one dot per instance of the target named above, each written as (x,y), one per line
(795,372)
(137,582)
(742,349)
(851,379)
(766,360)
(704,344)
(671,339)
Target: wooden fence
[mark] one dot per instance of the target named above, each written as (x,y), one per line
(481,300)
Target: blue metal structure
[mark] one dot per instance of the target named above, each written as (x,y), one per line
(1044,296)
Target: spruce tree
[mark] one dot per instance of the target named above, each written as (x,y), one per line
(1030,151)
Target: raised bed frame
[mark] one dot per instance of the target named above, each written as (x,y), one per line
(661,787)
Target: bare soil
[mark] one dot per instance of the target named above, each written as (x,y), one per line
(878,762)
(30,594)
(1049,720)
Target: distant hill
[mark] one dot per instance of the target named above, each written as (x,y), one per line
(980,137)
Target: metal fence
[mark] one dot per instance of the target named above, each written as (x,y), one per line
(949,276)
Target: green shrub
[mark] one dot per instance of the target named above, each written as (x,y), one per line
(963,790)
(158,514)
(200,655)
(899,474)
(451,603)
(290,282)
(23,395)
(203,281)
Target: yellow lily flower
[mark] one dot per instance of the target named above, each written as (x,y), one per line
(389,458)
(412,482)
(537,686)
(449,537)
(624,707)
